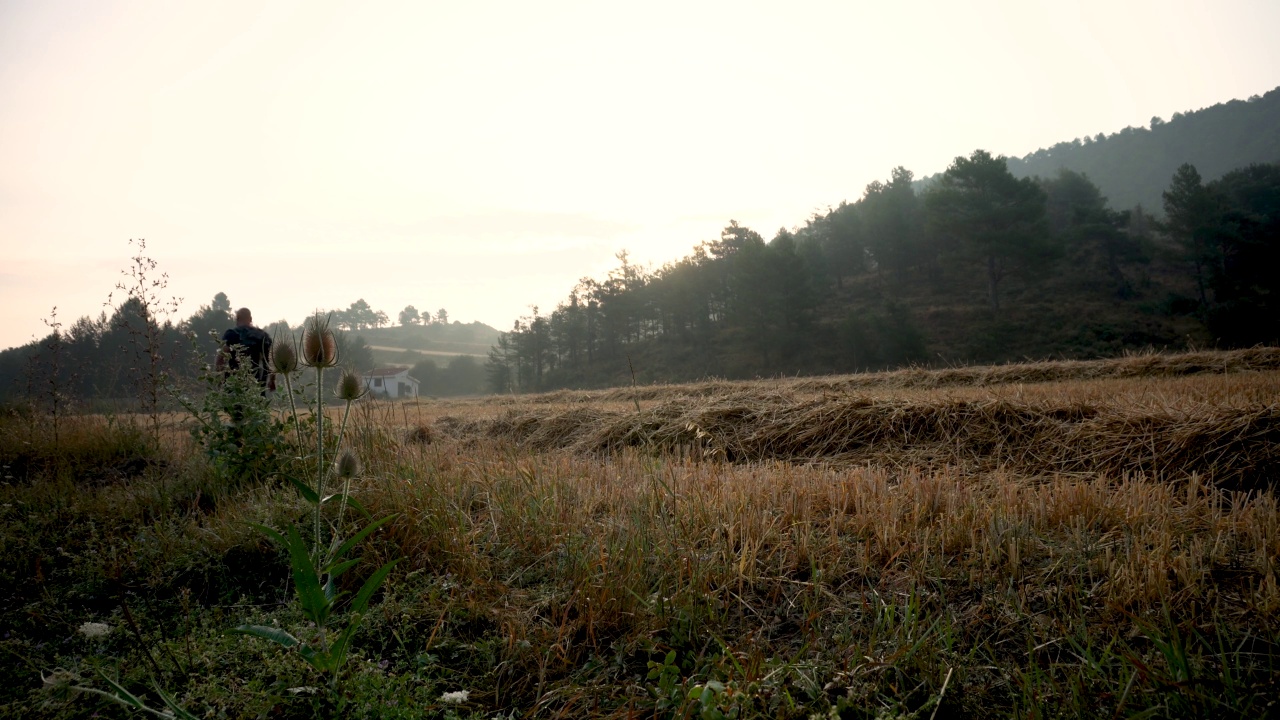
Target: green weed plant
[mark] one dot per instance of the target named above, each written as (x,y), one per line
(240,435)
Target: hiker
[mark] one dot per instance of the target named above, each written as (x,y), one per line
(244,341)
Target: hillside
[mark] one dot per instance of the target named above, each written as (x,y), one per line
(1133,166)
(1060,254)
(473,339)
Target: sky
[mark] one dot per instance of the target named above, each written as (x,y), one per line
(483,156)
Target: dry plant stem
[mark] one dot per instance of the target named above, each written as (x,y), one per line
(320,468)
(941,694)
(186,608)
(635,396)
(137,633)
(145,291)
(342,428)
(54,345)
(293,407)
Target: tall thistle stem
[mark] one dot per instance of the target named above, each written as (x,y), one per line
(350,389)
(293,408)
(320,467)
(319,350)
(284,361)
(342,427)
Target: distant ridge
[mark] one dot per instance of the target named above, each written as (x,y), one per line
(1134,166)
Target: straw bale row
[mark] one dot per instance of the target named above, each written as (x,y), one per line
(1129,366)
(1233,447)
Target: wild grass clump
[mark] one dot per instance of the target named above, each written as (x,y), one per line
(92,449)
(422,434)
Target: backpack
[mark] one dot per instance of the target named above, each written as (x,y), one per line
(253,344)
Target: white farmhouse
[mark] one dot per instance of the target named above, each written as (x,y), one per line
(393,382)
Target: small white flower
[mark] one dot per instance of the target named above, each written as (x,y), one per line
(93,630)
(455,698)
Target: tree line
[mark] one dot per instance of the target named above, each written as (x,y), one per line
(360,316)
(135,349)
(869,284)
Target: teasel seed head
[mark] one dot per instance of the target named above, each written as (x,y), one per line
(284,358)
(350,386)
(347,465)
(319,347)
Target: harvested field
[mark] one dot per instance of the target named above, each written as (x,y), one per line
(1165,417)
(1146,365)
(1238,449)
(1053,540)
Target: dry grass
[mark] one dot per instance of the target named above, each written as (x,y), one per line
(1144,365)
(1237,447)
(1037,545)
(573,556)
(1220,424)
(1030,519)
(1142,541)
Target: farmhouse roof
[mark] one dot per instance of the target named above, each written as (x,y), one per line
(386,372)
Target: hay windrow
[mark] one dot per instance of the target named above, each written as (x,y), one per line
(1232,447)
(1153,365)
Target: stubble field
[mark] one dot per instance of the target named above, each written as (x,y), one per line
(1064,539)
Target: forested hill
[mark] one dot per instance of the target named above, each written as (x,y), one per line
(1159,237)
(1133,166)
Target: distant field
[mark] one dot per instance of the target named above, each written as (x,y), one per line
(1083,539)
(384,355)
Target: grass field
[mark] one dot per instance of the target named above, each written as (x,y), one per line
(402,357)
(1072,539)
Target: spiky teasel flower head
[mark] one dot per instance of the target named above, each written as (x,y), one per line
(347,465)
(284,358)
(319,346)
(350,386)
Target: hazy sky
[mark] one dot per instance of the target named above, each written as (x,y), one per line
(484,156)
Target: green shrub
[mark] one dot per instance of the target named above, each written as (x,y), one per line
(239,434)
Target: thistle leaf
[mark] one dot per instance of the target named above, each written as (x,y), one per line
(306,581)
(272,534)
(359,508)
(123,696)
(267,632)
(370,587)
(169,702)
(364,533)
(337,570)
(322,661)
(343,641)
(305,490)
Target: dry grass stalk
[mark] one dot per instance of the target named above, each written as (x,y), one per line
(750,533)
